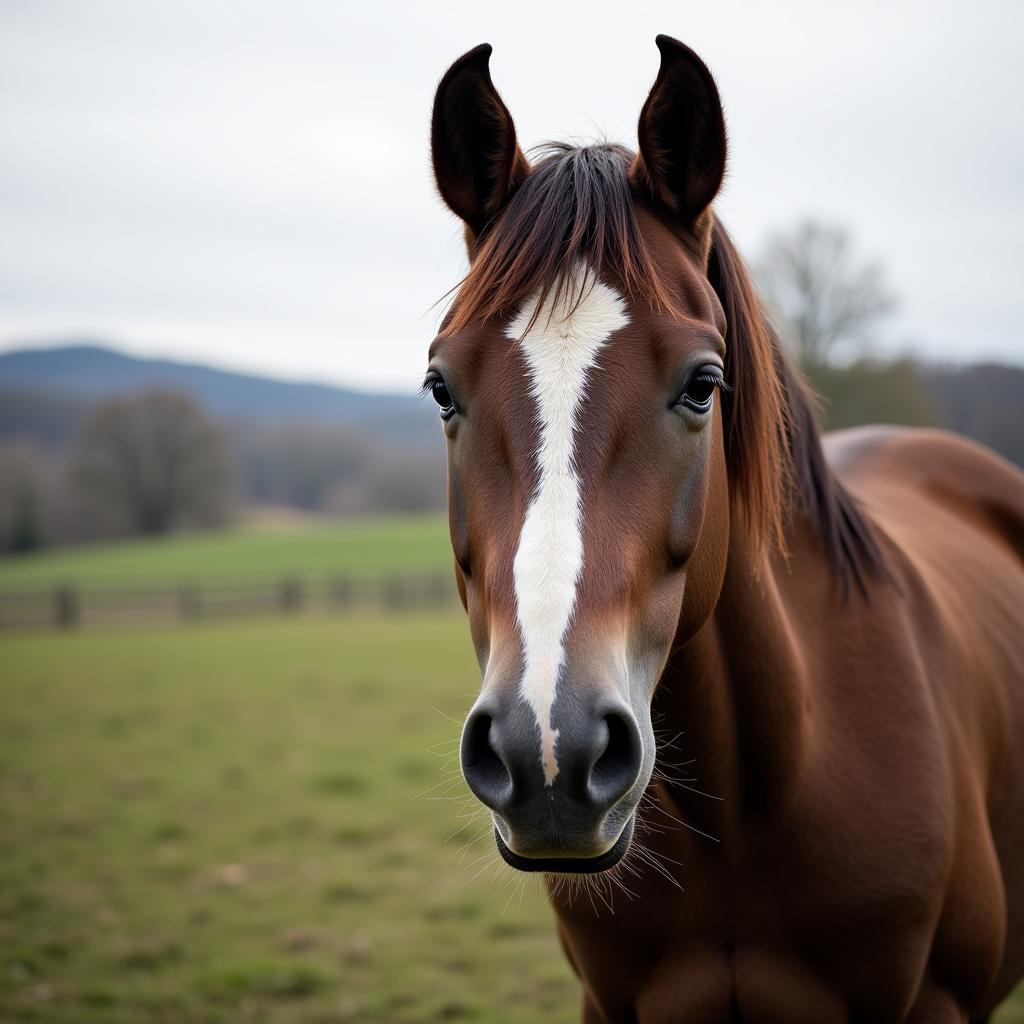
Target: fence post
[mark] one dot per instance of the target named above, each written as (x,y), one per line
(440,590)
(190,605)
(64,604)
(393,593)
(65,607)
(342,592)
(290,594)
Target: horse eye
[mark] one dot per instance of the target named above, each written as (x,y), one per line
(701,389)
(442,395)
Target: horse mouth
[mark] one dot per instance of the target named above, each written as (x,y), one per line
(569,865)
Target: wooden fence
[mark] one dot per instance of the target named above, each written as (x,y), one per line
(69,606)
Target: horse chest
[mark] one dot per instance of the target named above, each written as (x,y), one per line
(685,979)
(807,927)
(708,978)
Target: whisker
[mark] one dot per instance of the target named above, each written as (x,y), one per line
(450,782)
(445,715)
(490,864)
(700,792)
(655,804)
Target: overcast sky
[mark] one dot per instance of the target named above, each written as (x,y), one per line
(247,184)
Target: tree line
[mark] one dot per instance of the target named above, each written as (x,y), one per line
(828,302)
(155,462)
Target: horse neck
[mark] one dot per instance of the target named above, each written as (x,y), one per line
(737,693)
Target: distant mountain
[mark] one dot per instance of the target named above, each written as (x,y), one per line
(91,372)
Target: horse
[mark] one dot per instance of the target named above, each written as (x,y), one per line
(752,697)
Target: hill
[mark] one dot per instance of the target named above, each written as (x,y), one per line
(88,372)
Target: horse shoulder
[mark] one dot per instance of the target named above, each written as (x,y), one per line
(951,514)
(931,468)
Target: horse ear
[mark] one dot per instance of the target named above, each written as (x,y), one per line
(681,162)
(477,162)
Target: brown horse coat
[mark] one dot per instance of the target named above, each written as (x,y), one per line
(828,636)
(870,863)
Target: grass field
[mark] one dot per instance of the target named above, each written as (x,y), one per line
(225,823)
(359,548)
(252,821)
(238,823)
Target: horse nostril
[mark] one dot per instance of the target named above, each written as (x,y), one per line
(482,766)
(616,769)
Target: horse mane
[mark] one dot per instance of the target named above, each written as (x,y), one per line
(773,444)
(577,205)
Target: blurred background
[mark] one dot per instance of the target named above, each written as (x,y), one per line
(232,664)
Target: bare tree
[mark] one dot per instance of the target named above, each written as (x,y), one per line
(22,489)
(823,295)
(156,460)
(338,469)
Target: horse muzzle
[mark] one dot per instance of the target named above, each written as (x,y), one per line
(569,865)
(577,817)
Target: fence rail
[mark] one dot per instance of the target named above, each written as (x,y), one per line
(70,606)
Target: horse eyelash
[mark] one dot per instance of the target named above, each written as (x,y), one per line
(714,378)
(711,378)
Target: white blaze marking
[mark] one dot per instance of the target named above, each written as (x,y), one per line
(559,350)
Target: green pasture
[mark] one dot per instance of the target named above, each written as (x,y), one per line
(254,822)
(359,549)
(261,820)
